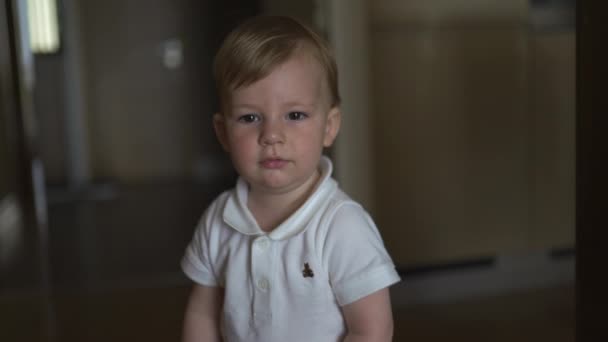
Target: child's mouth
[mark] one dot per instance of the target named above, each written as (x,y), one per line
(273,163)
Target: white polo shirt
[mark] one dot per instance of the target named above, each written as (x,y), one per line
(289,284)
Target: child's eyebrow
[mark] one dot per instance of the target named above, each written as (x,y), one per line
(300,104)
(244,106)
(289,104)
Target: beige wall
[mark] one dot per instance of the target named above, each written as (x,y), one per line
(474,154)
(552,105)
(146,122)
(349,34)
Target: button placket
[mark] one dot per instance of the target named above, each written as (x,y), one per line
(261,267)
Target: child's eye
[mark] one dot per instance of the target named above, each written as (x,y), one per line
(296,116)
(249,118)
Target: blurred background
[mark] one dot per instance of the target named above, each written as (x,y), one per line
(458,136)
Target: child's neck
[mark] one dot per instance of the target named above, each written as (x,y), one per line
(271,209)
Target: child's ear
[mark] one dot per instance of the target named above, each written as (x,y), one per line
(332,126)
(219,124)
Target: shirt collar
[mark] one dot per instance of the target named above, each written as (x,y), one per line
(237,215)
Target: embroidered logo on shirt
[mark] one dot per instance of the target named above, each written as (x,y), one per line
(307,271)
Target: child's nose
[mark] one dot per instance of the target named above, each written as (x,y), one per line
(272,133)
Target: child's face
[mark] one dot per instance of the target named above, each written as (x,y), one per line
(276,128)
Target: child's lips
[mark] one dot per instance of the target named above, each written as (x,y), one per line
(273,163)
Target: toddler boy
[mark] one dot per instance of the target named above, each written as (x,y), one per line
(285,255)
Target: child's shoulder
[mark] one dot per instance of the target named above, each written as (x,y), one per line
(214,210)
(343,211)
(339,200)
(219,201)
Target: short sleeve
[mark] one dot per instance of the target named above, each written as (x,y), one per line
(354,255)
(196,263)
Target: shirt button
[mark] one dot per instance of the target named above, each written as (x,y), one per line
(263,244)
(263,284)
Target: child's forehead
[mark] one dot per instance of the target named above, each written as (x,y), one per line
(303,54)
(299,79)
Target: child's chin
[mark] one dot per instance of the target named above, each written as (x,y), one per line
(278,184)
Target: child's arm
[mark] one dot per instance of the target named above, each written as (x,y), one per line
(369,318)
(202,318)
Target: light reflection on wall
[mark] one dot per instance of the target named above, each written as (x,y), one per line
(43,26)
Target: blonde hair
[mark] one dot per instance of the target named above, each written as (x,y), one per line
(252,50)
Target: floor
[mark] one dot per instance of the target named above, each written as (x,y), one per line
(529,316)
(155,315)
(115,277)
